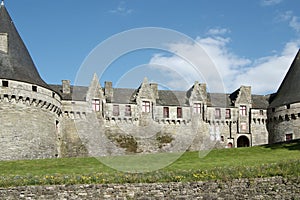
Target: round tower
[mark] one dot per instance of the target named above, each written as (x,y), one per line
(29,108)
(284,109)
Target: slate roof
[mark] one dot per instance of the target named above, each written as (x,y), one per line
(78,93)
(289,90)
(166,97)
(123,95)
(172,98)
(219,100)
(260,101)
(16,64)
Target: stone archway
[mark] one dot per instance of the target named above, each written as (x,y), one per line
(243,141)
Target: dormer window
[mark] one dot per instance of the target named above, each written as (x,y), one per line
(96,105)
(146,106)
(197,108)
(243,110)
(3,42)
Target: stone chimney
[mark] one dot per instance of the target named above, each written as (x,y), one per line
(108,91)
(66,87)
(154,87)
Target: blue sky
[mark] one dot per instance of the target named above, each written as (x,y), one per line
(250,42)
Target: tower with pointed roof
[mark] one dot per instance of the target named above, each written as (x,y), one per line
(284,108)
(29,108)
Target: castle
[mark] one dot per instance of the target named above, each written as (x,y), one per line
(40,120)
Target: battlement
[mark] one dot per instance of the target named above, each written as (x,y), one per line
(17,92)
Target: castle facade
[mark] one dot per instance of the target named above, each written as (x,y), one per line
(40,120)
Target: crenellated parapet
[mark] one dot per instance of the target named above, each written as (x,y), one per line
(284,113)
(21,93)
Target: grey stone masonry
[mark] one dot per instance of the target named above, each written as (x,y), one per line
(259,189)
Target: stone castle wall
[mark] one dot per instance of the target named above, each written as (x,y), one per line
(284,123)
(48,126)
(260,188)
(29,119)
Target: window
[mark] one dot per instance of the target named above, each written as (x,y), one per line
(222,138)
(288,137)
(146,106)
(116,110)
(179,112)
(228,114)
(218,113)
(4,42)
(197,108)
(34,88)
(127,110)
(166,112)
(288,106)
(5,83)
(57,126)
(96,104)
(243,110)
(243,126)
(261,112)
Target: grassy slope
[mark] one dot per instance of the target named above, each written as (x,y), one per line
(269,160)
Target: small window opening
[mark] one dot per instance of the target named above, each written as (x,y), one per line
(166,112)
(116,111)
(127,110)
(34,88)
(228,114)
(4,83)
(179,112)
(218,113)
(261,112)
(288,106)
(288,137)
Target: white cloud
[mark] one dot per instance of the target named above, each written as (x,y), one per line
(288,16)
(270,2)
(121,9)
(295,23)
(267,73)
(263,74)
(218,31)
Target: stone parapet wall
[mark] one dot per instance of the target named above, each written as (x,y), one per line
(260,188)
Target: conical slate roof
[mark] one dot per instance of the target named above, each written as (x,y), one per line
(15,61)
(289,90)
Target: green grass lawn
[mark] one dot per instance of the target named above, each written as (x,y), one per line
(261,161)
